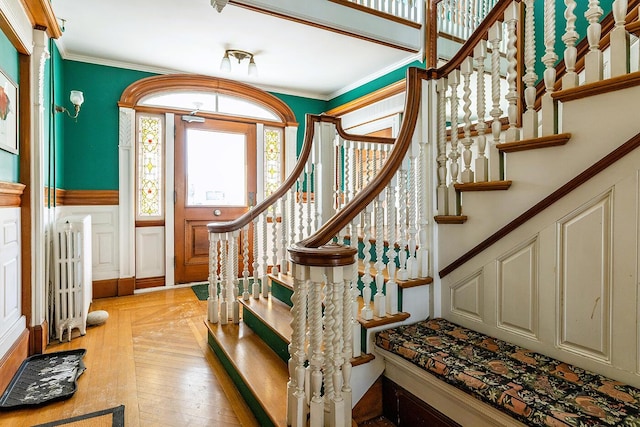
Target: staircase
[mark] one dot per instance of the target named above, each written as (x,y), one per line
(462,190)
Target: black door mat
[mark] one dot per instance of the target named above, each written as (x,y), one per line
(44,378)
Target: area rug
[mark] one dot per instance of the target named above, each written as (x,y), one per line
(112,417)
(201,291)
(44,378)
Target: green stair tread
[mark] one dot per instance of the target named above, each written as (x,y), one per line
(273,313)
(260,368)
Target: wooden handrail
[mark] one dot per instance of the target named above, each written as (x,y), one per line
(382,179)
(580,179)
(311,119)
(479,34)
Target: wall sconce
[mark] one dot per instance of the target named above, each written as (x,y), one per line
(240,55)
(77,98)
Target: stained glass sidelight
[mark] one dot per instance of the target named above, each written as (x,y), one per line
(150,176)
(272,159)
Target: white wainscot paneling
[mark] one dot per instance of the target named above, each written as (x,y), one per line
(12,323)
(466,297)
(517,290)
(149,252)
(104,238)
(584,279)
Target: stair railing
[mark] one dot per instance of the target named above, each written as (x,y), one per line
(325,264)
(479,92)
(408,10)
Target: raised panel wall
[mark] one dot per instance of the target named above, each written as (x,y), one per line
(584,279)
(517,290)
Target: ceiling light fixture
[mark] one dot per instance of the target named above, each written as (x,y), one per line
(219,4)
(240,55)
(77,98)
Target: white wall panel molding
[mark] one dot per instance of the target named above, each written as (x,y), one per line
(104,237)
(12,323)
(466,297)
(149,252)
(585,279)
(517,289)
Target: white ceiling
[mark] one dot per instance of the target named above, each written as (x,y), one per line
(189,36)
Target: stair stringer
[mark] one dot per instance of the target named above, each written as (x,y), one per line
(363,376)
(598,124)
(536,288)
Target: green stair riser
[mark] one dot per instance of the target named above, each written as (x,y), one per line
(245,392)
(281,292)
(273,340)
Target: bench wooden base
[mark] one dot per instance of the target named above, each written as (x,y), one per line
(450,401)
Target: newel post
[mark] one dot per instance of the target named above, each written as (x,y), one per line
(324,359)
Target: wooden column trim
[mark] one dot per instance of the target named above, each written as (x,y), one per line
(87,197)
(330,255)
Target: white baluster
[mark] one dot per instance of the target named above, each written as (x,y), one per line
(423,172)
(454,154)
(255,287)
(412,210)
(495,37)
(467,69)
(337,407)
(355,327)
(308,172)
(284,266)
(593,60)
(296,386)
(316,358)
(301,201)
(347,332)
(402,216)
(274,241)
(235,304)
(443,205)
(264,282)
(212,301)
(570,38)
(530,119)
(379,300)
(224,250)
(619,51)
(511,18)
(366,312)
(245,264)
(392,287)
(482,162)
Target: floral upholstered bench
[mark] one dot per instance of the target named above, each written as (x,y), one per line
(530,387)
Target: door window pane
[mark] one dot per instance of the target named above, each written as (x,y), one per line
(216,168)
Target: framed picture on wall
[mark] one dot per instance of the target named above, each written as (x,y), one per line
(8,114)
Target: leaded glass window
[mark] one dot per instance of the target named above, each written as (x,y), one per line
(272,159)
(150,177)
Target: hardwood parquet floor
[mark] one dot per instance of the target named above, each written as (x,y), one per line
(152,356)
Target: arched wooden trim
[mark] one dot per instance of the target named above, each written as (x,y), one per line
(175,82)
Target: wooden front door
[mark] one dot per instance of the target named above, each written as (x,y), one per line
(215,181)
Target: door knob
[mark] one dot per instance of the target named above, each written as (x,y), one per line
(217,212)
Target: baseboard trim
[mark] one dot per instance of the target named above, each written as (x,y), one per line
(126,286)
(105,288)
(39,338)
(13,359)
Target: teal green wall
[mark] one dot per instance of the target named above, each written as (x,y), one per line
(9,64)
(301,107)
(55,141)
(581,27)
(372,86)
(90,145)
